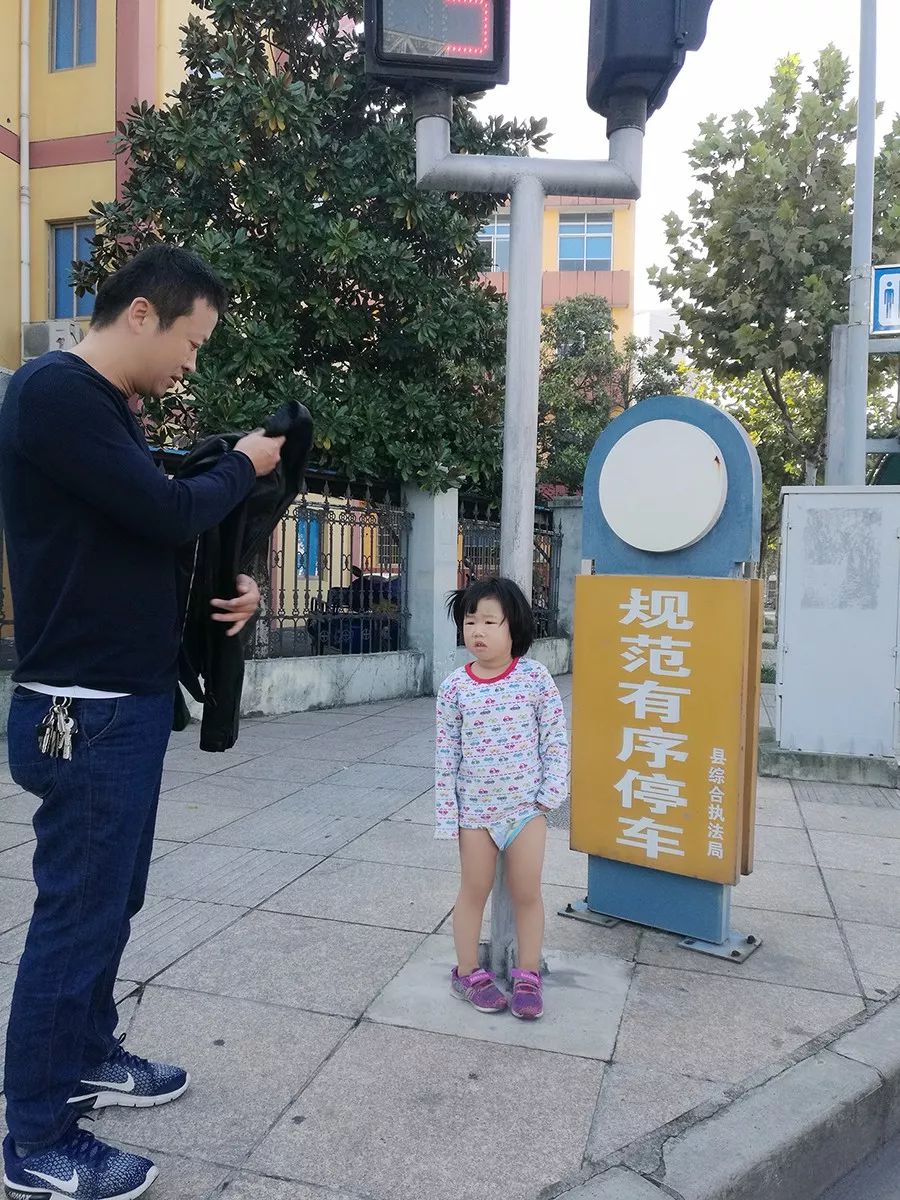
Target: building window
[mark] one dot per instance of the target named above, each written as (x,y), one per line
(74,33)
(585,242)
(69,243)
(495,238)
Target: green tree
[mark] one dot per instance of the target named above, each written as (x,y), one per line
(585,378)
(354,292)
(758,272)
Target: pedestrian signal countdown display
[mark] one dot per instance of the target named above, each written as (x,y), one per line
(462,42)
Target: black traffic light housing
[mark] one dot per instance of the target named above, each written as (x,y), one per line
(639,46)
(462,44)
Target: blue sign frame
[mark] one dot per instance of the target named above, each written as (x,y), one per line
(886,300)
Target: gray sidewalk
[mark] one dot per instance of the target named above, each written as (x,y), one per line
(295,948)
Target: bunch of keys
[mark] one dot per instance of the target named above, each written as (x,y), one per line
(57,730)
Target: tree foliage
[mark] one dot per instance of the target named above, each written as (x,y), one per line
(354,292)
(585,379)
(758,273)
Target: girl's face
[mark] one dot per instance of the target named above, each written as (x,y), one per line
(486,634)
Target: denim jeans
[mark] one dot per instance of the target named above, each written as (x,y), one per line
(94,833)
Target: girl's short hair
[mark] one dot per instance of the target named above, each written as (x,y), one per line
(511,599)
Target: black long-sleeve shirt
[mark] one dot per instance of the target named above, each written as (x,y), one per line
(93,530)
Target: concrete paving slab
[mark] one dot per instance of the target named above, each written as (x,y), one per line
(783,813)
(786,1140)
(839,818)
(247,1062)
(636,1100)
(782,844)
(784,887)
(577,937)
(846,794)
(166,929)
(875,1179)
(17,862)
(720,1029)
(181,1178)
(562,866)
(180,821)
(799,951)
(861,896)
(342,745)
(415,751)
(19,807)
(405,845)
(290,771)
(9,788)
(12,943)
(875,950)
(226,874)
(442,1113)
(12,835)
(583,999)
(408,782)
(617,1184)
(419,811)
(311,724)
(298,962)
(318,820)
(162,847)
(856,852)
(229,788)
(16,902)
(259,1187)
(773,789)
(173,779)
(384,894)
(201,762)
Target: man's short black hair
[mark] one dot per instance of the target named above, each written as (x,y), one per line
(511,599)
(171,278)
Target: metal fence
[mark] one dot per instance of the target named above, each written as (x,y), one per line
(479,557)
(335,579)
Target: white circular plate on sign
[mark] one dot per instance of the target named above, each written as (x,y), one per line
(663,486)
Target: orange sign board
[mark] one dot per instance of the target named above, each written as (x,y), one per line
(660,722)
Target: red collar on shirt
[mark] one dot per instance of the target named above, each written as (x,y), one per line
(495,678)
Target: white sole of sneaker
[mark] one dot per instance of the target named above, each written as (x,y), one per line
(15,1191)
(127,1100)
(478,1008)
(522,1017)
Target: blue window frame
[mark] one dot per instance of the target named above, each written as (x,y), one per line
(307,548)
(585,242)
(74,34)
(69,243)
(495,238)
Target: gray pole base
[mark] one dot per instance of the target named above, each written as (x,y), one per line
(737,947)
(579,911)
(499,954)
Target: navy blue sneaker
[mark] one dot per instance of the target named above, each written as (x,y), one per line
(127,1081)
(77,1168)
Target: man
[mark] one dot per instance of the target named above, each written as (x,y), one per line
(93,531)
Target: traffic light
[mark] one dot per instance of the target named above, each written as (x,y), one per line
(640,46)
(462,43)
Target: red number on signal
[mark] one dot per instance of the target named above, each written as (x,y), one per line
(473,50)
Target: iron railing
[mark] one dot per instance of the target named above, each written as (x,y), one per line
(335,578)
(479,557)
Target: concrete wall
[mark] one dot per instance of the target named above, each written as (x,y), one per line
(567,518)
(282,685)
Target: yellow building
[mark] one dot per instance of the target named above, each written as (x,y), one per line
(588,250)
(69,70)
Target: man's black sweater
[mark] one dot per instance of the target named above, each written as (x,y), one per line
(93,529)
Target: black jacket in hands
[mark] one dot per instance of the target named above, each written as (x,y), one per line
(211,665)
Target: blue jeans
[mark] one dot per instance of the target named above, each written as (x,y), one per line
(94,842)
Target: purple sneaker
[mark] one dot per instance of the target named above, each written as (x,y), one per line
(528,999)
(479,989)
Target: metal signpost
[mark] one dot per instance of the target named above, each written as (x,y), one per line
(436,48)
(666,690)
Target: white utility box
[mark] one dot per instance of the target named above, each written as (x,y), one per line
(839,621)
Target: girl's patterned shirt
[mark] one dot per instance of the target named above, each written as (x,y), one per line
(502,748)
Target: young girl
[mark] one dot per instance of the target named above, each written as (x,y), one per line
(502,761)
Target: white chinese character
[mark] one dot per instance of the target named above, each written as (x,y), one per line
(716,812)
(659,608)
(646,834)
(716,775)
(715,832)
(715,850)
(718,757)
(716,793)
(666,655)
(657,743)
(651,698)
(656,791)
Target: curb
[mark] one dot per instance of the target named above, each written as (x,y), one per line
(789,1136)
(827,768)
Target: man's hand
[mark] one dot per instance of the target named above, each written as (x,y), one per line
(237,612)
(263,451)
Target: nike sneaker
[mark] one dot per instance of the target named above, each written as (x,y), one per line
(78,1167)
(126,1081)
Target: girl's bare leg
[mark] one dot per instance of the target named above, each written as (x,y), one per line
(524,866)
(478,862)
